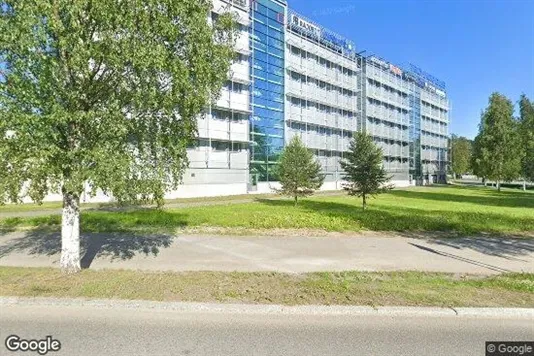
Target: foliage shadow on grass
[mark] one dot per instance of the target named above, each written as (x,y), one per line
(405,219)
(503,199)
(132,221)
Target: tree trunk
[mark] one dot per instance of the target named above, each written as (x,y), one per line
(296,200)
(524,185)
(70,234)
(498,186)
(364,202)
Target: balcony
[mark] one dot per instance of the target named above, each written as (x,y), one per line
(242,44)
(239,131)
(240,8)
(234,101)
(240,72)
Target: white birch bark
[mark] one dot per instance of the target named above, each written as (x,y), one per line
(70,234)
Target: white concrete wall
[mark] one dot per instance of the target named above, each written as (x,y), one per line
(207,190)
(198,190)
(184,191)
(402,183)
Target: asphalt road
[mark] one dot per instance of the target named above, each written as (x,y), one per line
(93,331)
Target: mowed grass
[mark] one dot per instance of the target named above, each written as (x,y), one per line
(461,210)
(28,207)
(326,288)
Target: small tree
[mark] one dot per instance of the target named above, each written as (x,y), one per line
(299,172)
(103,94)
(461,155)
(363,166)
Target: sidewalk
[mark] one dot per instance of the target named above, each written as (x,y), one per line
(282,254)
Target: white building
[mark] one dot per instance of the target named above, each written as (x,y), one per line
(323,92)
(219,164)
(294,77)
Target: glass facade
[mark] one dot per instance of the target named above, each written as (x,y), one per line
(415,133)
(267,88)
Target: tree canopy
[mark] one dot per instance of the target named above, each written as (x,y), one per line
(497,151)
(461,154)
(104,93)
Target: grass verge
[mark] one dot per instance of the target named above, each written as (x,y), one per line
(460,210)
(346,288)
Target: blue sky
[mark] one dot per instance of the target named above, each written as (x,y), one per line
(475,46)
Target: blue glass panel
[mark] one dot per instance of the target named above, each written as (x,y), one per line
(268,114)
(261,18)
(275,43)
(268,123)
(276,35)
(268,104)
(260,28)
(276,79)
(276,61)
(273,22)
(264,85)
(270,4)
(261,56)
(261,9)
(258,45)
(267,89)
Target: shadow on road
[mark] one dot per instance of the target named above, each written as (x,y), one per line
(505,248)
(115,245)
(459,258)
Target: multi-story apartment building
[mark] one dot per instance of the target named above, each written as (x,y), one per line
(293,77)
(386,115)
(407,113)
(323,92)
(219,163)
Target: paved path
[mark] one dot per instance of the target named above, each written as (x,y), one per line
(85,331)
(283,254)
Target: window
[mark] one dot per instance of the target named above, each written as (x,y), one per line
(220,145)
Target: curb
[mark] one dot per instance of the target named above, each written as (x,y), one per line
(185,307)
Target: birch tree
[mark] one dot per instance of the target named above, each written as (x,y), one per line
(103,94)
(497,152)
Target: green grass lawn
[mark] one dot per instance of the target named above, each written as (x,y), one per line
(346,288)
(463,210)
(14,208)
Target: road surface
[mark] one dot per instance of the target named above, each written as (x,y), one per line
(85,331)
